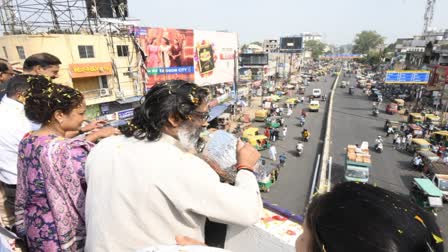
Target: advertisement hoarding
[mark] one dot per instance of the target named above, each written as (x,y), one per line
(202,57)
(254,59)
(407,77)
(291,44)
(214,57)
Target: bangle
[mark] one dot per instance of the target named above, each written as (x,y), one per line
(246,169)
(241,166)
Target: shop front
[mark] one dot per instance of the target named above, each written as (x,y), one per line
(92,79)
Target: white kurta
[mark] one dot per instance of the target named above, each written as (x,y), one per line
(144,193)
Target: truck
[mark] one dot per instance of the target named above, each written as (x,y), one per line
(357,163)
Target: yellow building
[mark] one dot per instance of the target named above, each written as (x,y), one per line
(105,68)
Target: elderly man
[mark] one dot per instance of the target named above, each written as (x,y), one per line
(6,72)
(148,186)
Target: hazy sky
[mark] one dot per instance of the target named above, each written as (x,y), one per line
(337,20)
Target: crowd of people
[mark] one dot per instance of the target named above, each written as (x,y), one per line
(67,185)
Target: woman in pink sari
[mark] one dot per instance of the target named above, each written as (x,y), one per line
(51,183)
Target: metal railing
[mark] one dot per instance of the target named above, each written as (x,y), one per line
(313,185)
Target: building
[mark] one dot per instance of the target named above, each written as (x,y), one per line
(103,67)
(270,45)
(311,36)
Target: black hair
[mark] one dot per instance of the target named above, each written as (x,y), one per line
(4,66)
(44,60)
(17,84)
(357,217)
(175,97)
(43,98)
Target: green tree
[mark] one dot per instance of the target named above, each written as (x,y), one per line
(316,47)
(367,41)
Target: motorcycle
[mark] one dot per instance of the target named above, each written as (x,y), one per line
(299,151)
(301,123)
(375,112)
(379,147)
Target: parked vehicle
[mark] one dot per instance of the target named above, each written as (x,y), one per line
(418,144)
(261,115)
(437,172)
(432,119)
(415,118)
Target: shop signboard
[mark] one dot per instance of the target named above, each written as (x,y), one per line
(90,69)
(125,114)
(203,57)
(407,77)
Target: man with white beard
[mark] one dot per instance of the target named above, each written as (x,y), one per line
(147,186)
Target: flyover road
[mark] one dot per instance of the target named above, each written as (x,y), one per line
(352,123)
(292,188)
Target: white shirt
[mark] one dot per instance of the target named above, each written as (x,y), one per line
(13,127)
(143,193)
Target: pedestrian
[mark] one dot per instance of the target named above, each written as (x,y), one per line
(395,138)
(409,140)
(285,130)
(289,113)
(273,153)
(282,160)
(271,130)
(282,121)
(403,142)
(267,133)
(398,143)
(275,135)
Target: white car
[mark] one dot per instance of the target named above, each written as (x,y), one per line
(317,92)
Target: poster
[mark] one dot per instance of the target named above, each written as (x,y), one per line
(214,57)
(169,54)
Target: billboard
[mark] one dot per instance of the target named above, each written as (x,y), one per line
(407,77)
(214,57)
(202,57)
(291,44)
(254,59)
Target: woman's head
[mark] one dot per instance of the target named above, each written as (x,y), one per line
(152,40)
(361,217)
(165,41)
(54,104)
(175,107)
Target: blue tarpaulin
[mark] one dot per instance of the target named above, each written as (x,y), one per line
(217,111)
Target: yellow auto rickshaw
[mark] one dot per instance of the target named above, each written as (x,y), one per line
(432,119)
(261,115)
(400,103)
(292,101)
(259,142)
(250,132)
(415,118)
(440,136)
(418,144)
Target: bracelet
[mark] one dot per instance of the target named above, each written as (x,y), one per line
(246,169)
(239,166)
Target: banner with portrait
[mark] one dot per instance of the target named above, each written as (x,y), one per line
(169,54)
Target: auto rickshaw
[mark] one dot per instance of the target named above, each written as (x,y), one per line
(292,101)
(273,122)
(265,177)
(391,108)
(261,115)
(425,194)
(440,136)
(432,119)
(416,130)
(428,157)
(418,144)
(250,132)
(302,90)
(259,142)
(415,118)
(400,103)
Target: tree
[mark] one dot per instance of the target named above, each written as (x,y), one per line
(367,41)
(316,47)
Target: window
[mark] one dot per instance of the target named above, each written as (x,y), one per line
(86,51)
(21,52)
(103,82)
(5,53)
(122,50)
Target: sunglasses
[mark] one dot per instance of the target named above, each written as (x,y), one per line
(204,116)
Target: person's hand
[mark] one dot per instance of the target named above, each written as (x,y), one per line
(95,124)
(185,240)
(107,132)
(247,155)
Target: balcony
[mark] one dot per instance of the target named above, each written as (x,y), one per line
(96,96)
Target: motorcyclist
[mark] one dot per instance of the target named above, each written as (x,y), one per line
(282,159)
(299,146)
(302,119)
(379,140)
(305,133)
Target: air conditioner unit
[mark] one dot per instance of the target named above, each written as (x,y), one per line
(104,92)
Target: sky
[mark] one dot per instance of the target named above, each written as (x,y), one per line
(255,20)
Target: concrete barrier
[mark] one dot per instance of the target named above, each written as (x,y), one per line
(322,188)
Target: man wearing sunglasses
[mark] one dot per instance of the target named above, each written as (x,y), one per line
(148,185)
